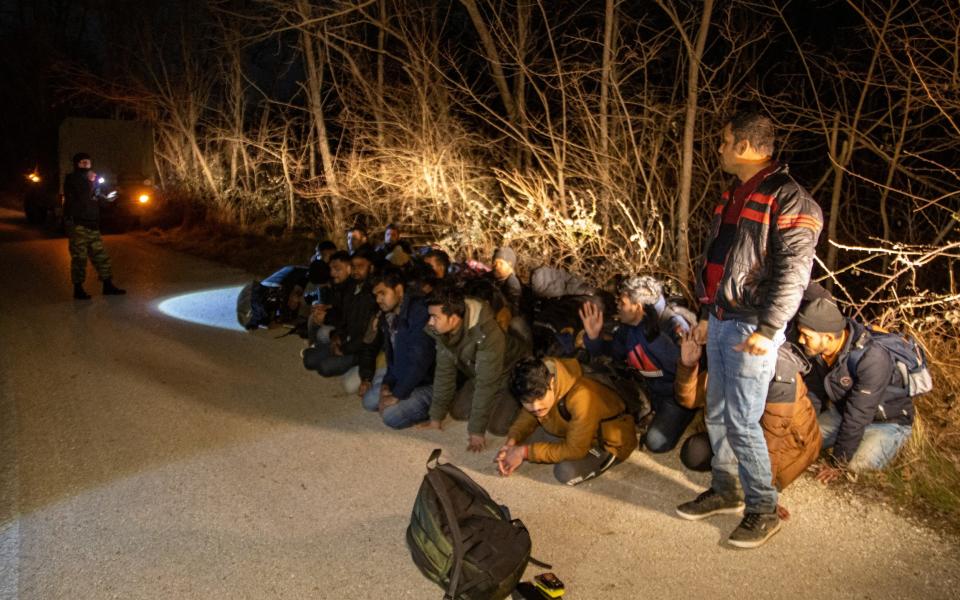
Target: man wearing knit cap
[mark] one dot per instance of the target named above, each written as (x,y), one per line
(504,265)
(757,261)
(865,413)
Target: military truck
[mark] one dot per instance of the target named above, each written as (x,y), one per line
(122,154)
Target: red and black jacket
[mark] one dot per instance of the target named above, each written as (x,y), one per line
(768,264)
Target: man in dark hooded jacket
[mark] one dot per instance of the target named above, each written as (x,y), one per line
(81,217)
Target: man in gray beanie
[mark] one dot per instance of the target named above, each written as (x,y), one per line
(865,413)
(504,267)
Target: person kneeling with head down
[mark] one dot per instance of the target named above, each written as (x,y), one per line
(866,406)
(789,421)
(587,427)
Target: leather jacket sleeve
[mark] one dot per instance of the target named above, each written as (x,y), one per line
(792,245)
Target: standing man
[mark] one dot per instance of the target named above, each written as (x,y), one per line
(81,216)
(758,258)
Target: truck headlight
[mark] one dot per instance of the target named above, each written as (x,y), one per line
(34,177)
(144,198)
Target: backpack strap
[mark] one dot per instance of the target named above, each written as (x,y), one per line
(857,352)
(565,414)
(458,549)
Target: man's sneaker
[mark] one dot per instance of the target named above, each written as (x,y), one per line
(754,530)
(708,504)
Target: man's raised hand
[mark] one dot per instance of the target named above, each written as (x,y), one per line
(690,350)
(592,318)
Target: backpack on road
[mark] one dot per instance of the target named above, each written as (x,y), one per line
(462,540)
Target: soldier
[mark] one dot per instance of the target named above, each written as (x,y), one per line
(81,216)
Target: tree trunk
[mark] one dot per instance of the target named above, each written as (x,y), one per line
(695,53)
(314,76)
(840,159)
(522,158)
(493,57)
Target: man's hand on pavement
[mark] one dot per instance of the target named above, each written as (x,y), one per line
(509,459)
(477,442)
(828,474)
(592,318)
(430,425)
(386,402)
(757,344)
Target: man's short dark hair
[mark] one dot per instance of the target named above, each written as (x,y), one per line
(755,128)
(357,228)
(325,244)
(80,156)
(341,255)
(440,255)
(367,253)
(529,380)
(450,299)
(389,277)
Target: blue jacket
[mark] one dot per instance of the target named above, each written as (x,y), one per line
(655,359)
(868,395)
(411,357)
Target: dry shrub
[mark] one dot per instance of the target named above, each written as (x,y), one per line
(926,474)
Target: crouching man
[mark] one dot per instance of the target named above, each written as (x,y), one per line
(586,424)
(869,413)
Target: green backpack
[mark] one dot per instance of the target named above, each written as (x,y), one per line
(462,540)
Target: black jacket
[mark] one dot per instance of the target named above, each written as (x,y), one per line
(411,354)
(768,265)
(869,394)
(80,205)
(339,292)
(359,307)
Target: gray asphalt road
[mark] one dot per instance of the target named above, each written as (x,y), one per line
(148,450)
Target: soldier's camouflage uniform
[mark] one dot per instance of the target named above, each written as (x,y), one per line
(81,214)
(84,243)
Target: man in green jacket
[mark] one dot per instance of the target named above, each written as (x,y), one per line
(470,342)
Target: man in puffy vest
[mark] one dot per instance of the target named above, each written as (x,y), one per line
(866,413)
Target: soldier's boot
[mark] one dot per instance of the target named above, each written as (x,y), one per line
(79,293)
(111,290)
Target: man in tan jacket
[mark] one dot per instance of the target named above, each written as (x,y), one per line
(586,429)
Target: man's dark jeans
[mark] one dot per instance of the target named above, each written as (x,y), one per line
(668,425)
(326,363)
